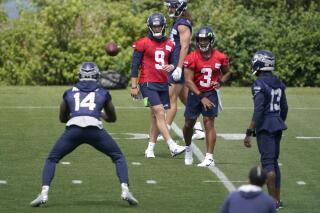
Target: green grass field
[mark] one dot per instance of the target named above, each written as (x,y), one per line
(29,127)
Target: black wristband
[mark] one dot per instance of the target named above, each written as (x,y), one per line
(201,95)
(134,87)
(250,132)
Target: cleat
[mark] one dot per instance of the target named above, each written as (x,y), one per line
(127,196)
(177,150)
(198,135)
(160,138)
(149,153)
(40,200)
(208,161)
(279,205)
(188,159)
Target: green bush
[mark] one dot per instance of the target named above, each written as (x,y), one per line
(45,46)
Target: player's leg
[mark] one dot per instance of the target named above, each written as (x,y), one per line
(174,91)
(153,134)
(102,141)
(208,121)
(278,136)
(267,149)
(64,145)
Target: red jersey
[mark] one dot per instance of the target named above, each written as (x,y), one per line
(206,71)
(155,56)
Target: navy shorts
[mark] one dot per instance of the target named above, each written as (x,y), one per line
(155,97)
(194,106)
(269,148)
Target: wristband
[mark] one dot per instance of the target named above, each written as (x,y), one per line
(250,132)
(134,87)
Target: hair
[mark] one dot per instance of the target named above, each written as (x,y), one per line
(187,15)
(257,176)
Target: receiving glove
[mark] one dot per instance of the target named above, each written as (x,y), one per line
(176,75)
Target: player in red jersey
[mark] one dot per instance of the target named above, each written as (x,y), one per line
(205,69)
(152,55)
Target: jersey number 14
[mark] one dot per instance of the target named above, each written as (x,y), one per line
(88,101)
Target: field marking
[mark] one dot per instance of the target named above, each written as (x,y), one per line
(151,182)
(146,108)
(221,176)
(136,163)
(65,163)
(306,138)
(76,181)
(3,182)
(301,182)
(220,181)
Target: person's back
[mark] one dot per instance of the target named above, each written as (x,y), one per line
(249,199)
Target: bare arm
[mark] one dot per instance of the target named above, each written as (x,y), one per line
(185,36)
(64,114)
(226,74)
(109,114)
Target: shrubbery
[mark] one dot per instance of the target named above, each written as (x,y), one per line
(47,46)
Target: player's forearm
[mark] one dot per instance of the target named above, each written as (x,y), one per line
(193,88)
(183,53)
(134,82)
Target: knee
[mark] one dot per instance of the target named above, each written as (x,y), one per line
(189,124)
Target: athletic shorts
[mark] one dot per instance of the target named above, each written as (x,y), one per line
(155,97)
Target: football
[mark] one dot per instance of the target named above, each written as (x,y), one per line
(112,49)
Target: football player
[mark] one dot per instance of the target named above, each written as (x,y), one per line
(81,109)
(181,34)
(206,69)
(268,120)
(153,56)
(250,198)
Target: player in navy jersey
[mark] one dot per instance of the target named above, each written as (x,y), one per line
(270,113)
(152,55)
(206,69)
(81,109)
(250,198)
(181,33)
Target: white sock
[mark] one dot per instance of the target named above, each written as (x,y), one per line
(124,187)
(170,142)
(45,190)
(151,145)
(209,155)
(198,126)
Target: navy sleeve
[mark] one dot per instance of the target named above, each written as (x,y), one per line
(225,206)
(283,106)
(136,61)
(171,60)
(258,101)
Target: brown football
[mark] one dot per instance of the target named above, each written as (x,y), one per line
(112,49)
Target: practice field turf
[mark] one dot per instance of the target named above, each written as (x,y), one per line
(29,127)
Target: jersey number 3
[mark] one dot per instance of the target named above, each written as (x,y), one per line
(206,77)
(88,101)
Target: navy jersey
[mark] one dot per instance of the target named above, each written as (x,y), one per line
(270,103)
(86,98)
(175,37)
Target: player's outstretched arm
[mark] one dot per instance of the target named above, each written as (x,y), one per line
(109,114)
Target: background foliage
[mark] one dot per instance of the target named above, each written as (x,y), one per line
(45,46)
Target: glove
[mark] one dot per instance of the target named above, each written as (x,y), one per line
(176,75)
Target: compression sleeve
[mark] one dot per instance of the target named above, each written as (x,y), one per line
(136,61)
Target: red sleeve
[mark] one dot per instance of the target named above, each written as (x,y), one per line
(189,61)
(139,45)
(224,60)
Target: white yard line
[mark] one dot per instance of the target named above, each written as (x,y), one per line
(141,107)
(222,177)
(307,138)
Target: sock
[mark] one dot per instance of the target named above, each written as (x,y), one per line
(151,145)
(170,142)
(45,190)
(198,126)
(209,155)
(188,148)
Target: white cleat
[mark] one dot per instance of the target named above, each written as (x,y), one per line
(127,196)
(40,200)
(188,159)
(177,150)
(149,153)
(208,161)
(198,135)
(160,138)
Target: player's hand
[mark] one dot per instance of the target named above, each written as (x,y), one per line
(134,92)
(168,67)
(177,74)
(207,104)
(247,141)
(216,84)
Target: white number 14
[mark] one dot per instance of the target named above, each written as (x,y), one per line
(88,101)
